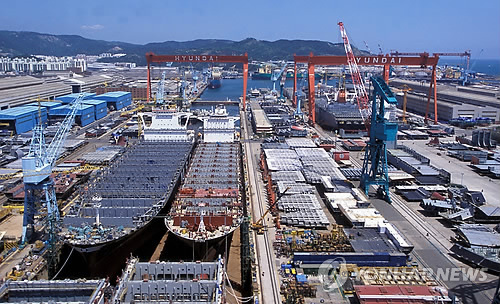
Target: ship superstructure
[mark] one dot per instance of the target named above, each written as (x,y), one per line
(167,125)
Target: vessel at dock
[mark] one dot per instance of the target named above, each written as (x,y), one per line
(208,205)
(335,111)
(124,198)
(215,81)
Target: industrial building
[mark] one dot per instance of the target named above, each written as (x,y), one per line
(84,115)
(69,98)
(21,90)
(116,100)
(100,107)
(21,119)
(452,102)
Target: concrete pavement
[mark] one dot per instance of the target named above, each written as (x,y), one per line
(268,277)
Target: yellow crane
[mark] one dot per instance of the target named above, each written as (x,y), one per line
(258,224)
(136,109)
(405,90)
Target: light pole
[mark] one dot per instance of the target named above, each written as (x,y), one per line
(335,143)
(462,182)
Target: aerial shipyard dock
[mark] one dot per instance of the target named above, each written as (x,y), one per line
(163,205)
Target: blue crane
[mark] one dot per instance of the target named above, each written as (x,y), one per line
(275,75)
(38,184)
(300,96)
(194,75)
(381,131)
(161,90)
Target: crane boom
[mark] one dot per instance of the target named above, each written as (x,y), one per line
(357,80)
(275,75)
(55,147)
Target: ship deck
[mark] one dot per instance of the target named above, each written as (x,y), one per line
(208,205)
(128,194)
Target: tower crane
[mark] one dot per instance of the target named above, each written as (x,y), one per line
(375,170)
(275,75)
(367,47)
(381,52)
(357,80)
(161,89)
(38,184)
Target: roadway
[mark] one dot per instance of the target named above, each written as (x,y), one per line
(431,243)
(471,179)
(267,277)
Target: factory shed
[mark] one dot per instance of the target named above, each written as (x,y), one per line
(84,115)
(100,107)
(21,119)
(46,104)
(71,97)
(116,100)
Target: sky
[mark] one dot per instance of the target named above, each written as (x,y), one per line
(402,25)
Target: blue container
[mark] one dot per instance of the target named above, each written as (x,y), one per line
(100,107)
(71,97)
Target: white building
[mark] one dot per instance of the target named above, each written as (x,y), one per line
(40,63)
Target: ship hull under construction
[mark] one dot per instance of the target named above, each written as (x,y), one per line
(338,115)
(207,209)
(120,203)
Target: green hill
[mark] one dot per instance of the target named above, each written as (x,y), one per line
(31,43)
